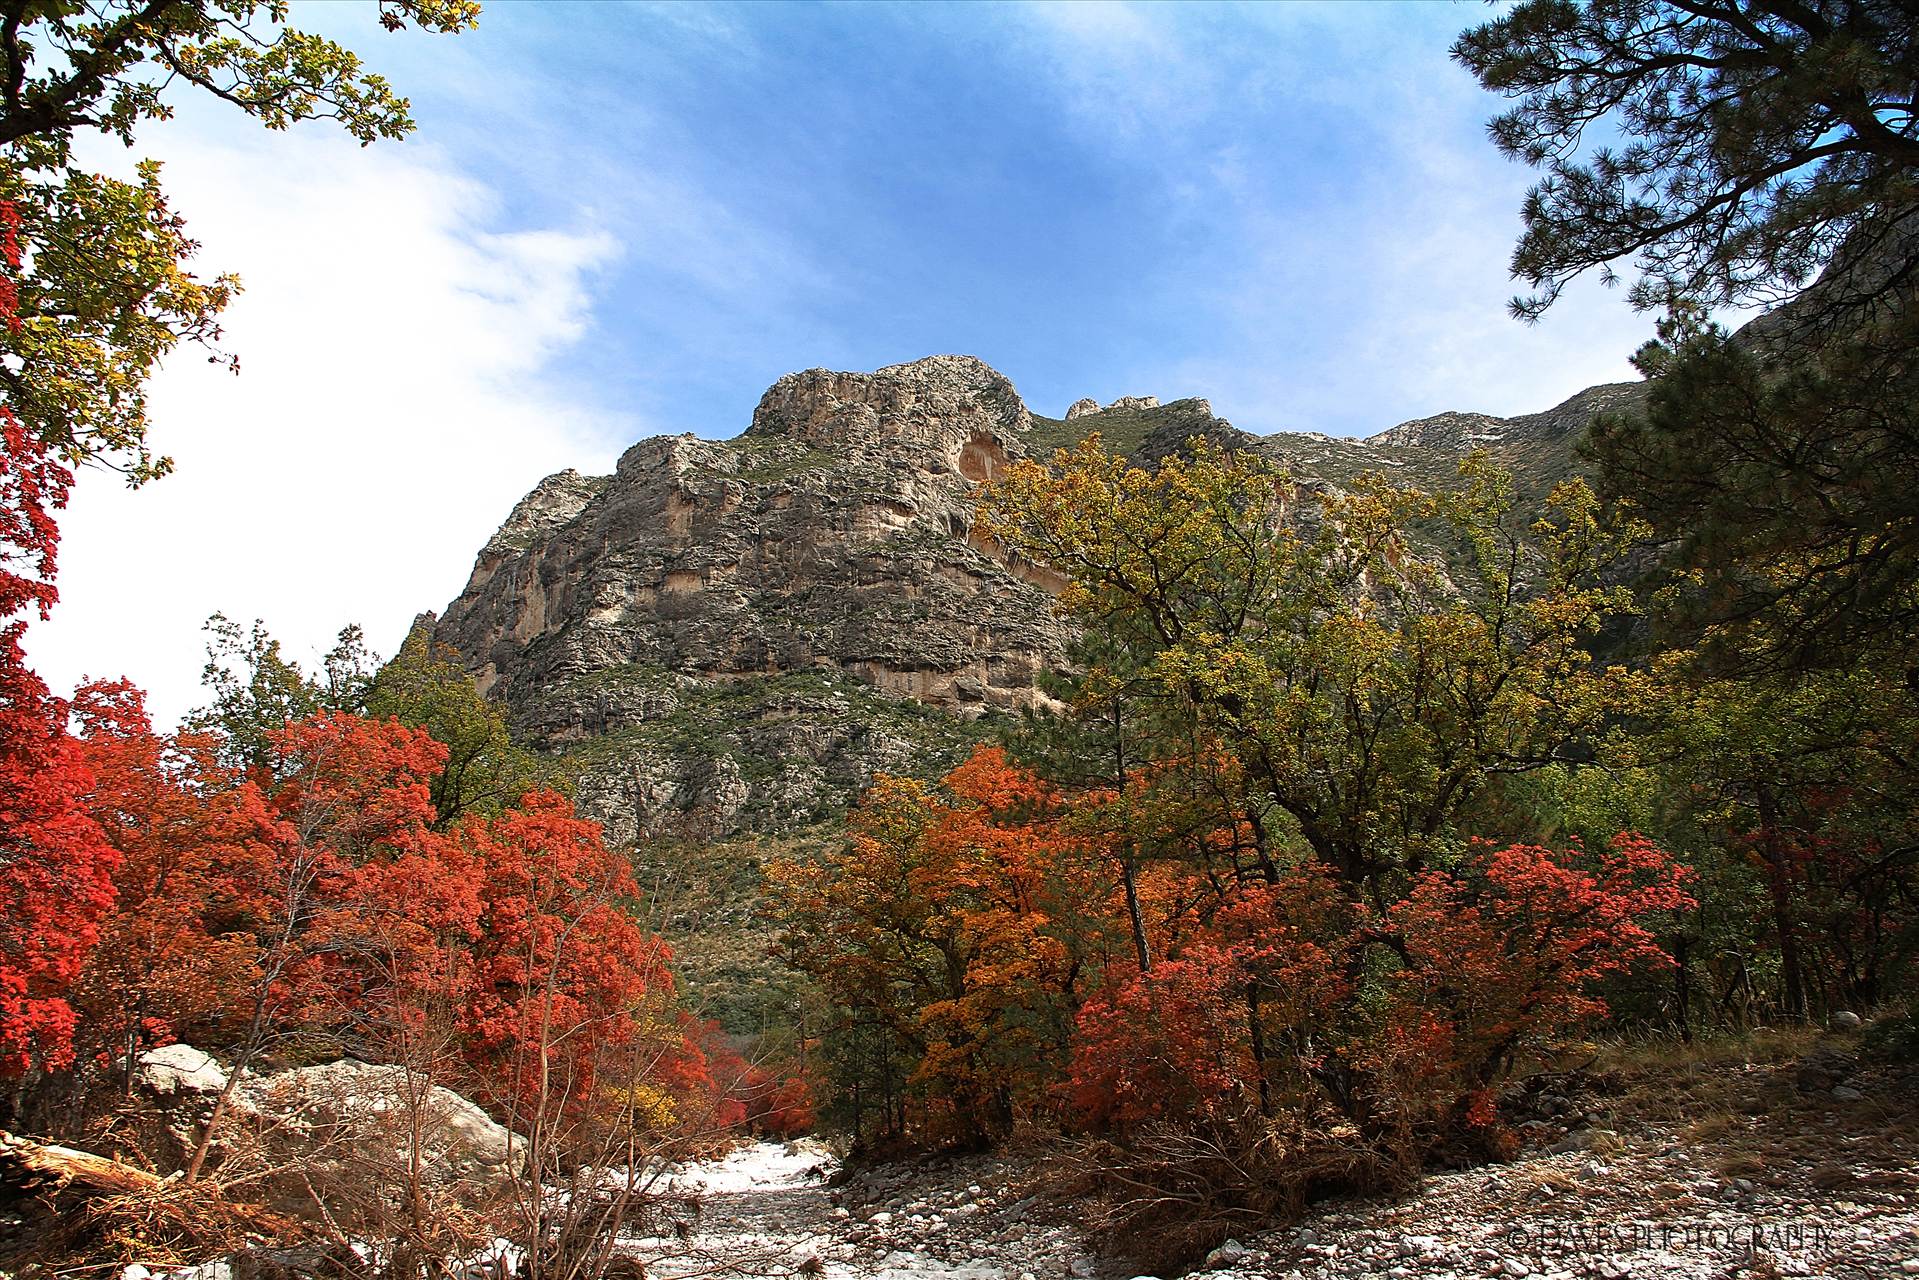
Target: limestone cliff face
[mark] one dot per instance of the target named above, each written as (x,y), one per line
(739,635)
(800,573)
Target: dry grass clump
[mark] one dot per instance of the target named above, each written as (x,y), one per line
(1711,1127)
(1663,1056)
(1832,1177)
(1545,1179)
(1741,1164)
(1708,1085)
(1168,1196)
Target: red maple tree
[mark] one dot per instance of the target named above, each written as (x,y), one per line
(176,950)
(55,865)
(562,972)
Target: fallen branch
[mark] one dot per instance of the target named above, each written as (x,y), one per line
(32,1166)
(101,1209)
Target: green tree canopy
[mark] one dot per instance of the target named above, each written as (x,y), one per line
(1782,485)
(1768,151)
(1756,139)
(105,290)
(1363,690)
(255,690)
(486,772)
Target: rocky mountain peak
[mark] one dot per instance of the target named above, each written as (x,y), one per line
(740,633)
(553,502)
(1173,427)
(1125,404)
(1458,433)
(955,409)
(1450,430)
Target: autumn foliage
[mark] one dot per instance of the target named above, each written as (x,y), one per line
(978,958)
(173,955)
(55,865)
(560,967)
(313,893)
(946,935)
(310,905)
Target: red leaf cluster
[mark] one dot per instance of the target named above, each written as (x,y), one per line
(54,862)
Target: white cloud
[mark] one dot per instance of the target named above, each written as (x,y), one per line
(394,401)
(1344,295)
(1124,74)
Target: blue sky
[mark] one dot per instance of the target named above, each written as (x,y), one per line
(619,220)
(1289,208)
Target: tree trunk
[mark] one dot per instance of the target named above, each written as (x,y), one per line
(191,1174)
(1135,915)
(1682,986)
(1257,1030)
(24,1162)
(1128,875)
(1779,881)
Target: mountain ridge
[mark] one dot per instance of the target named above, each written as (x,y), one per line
(738,635)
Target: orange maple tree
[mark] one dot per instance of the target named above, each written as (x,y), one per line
(949,934)
(192,839)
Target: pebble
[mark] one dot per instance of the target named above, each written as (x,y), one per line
(1577,1140)
(1226,1255)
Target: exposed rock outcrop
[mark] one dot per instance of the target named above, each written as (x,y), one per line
(331,1124)
(350,1117)
(1442,431)
(739,635)
(801,574)
(1125,404)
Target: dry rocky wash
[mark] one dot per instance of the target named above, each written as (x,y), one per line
(1789,1155)
(737,635)
(1786,1159)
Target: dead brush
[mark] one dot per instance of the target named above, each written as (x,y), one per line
(1167,1197)
(160,1225)
(180,1225)
(1741,1164)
